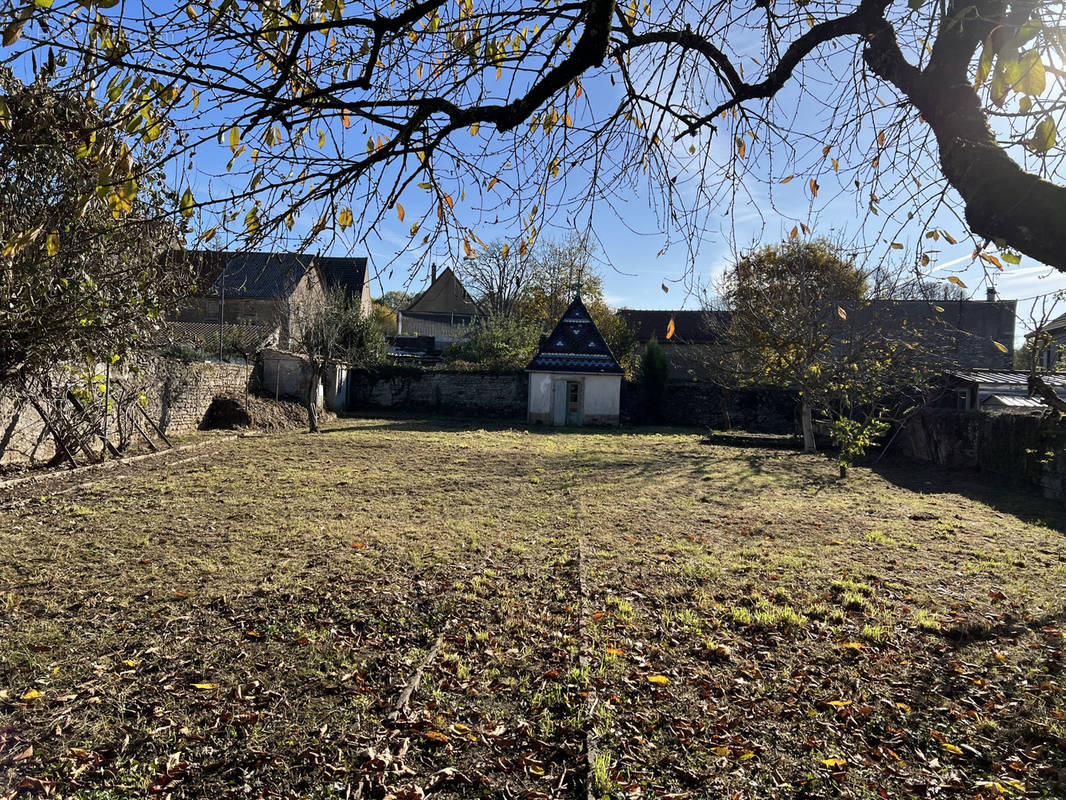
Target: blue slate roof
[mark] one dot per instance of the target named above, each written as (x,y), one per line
(261,275)
(576,345)
(347,273)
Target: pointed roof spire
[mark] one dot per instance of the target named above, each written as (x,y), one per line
(575,345)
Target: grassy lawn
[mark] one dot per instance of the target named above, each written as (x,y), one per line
(402,609)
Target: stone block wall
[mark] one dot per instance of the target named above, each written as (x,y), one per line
(501,396)
(1026,446)
(703,404)
(177,395)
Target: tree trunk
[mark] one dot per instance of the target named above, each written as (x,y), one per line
(312,401)
(1002,200)
(809,445)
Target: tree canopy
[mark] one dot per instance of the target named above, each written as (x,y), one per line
(517,113)
(87,259)
(796,315)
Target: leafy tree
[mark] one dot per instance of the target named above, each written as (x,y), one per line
(384,318)
(327,329)
(796,317)
(397,300)
(86,260)
(654,378)
(498,343)
(374,99)
(561,266)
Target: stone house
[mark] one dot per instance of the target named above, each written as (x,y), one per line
(442,311)
(265,289)
(574,379)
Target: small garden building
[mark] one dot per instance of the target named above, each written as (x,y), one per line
(574,379)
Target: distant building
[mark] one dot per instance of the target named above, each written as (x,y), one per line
(1051,339)
(574,379)
(442,311)
(959,333)
(989,390)
(264,289)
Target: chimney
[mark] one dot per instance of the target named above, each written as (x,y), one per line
(990,294)
(433,272)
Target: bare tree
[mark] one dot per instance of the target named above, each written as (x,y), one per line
(326,329)
(339,111)
(498,276)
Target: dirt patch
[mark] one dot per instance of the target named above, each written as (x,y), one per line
(234,410)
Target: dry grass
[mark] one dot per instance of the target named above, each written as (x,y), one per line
(244,625)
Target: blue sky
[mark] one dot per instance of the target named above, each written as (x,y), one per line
(637,258)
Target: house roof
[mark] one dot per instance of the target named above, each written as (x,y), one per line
(348,274)
(268,276)
(1057,324)
(1008,377)
(1012,401)
(204,267)
(690,327)
(576,345)
(446,295)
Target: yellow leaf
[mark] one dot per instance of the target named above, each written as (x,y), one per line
(852,645)
(741,147)
(999,347)
(957,281)
(474,128)
(841,313)
(670,328)
(346,118)
(834,762)
(399,212)
(949,237)
(449,201)
(492,182)
(720,751)
(614,651)
(897,246)
(787,179)
(52,243)
(234,138)
(951,748)
(793,233)
(814,187)
(437,735)
(836,165)
(32,694)
(205,686)
(658,680)
(129,662)
(840,703)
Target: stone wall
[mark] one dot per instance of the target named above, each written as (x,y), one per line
(702,404)
(1026,446)
(177,396)
(501,396)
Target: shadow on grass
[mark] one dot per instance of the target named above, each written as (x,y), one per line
(1003,493)
(393,421)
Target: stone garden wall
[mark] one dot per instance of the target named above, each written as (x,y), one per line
(177,396)
(1026,446)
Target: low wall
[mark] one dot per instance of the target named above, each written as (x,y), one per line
(177,396)
(1026,446)
(501,396)
(703,404)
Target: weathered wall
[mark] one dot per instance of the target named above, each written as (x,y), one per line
(438,392)
(599,393)
(1030,446)
(703,404)
(178,396)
